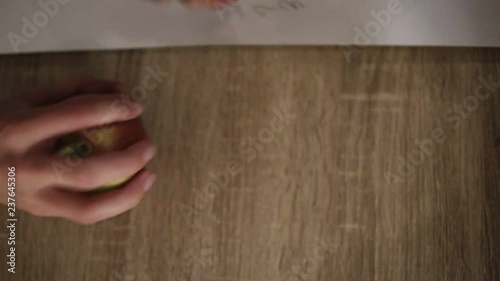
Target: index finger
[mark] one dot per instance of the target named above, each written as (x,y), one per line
(79,85)
(72,115)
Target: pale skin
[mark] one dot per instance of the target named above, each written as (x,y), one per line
(29,127)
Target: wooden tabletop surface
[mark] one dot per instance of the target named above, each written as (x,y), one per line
(290,163)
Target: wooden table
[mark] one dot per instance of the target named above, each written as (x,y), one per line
(386,167)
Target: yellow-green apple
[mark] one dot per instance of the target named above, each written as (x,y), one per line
(94,141)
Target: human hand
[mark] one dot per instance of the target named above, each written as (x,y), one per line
(29,128)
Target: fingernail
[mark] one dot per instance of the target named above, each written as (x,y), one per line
(148,183)
(150,152)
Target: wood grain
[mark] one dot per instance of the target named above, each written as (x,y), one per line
(325,196)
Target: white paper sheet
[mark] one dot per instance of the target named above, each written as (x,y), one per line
(26,26)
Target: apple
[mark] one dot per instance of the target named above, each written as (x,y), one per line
(94,141)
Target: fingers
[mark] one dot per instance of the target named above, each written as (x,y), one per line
(94,171)
(77,113)
(85,209)
(103,87)
(80,85)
